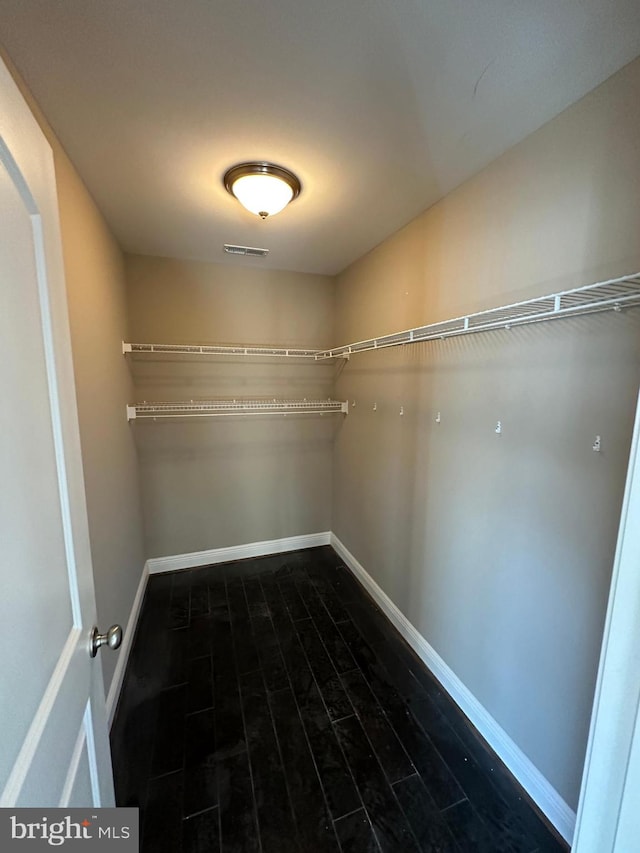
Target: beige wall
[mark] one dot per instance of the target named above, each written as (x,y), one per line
(228,481)
(499,549)
(97,311)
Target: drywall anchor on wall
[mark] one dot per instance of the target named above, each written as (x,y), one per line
(499,428)
(597,444)
(375,407)
(438,418)
(401,410)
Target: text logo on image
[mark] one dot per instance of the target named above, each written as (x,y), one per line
(72,829)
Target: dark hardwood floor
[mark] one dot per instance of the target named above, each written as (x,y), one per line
(269,706)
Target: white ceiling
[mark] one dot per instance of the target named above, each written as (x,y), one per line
(380,106)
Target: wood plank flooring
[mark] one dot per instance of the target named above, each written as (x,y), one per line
(269,706)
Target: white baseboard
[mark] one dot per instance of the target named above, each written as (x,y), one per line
(535,784)
(237,552)
(125,648)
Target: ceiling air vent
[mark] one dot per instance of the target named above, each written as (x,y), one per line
(249,251)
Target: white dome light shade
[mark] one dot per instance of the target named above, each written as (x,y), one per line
(262,188)
(263,195)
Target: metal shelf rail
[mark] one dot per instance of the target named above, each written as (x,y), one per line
(217,408)
(214,349)
(615,294)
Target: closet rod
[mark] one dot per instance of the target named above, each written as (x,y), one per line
(214,349)
(217,408)
(615,294)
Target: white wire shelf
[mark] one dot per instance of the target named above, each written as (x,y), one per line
(615,294)
(215,349)
(217,408)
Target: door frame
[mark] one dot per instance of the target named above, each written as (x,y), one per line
(608,817)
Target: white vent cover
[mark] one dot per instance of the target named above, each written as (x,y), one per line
(250,251)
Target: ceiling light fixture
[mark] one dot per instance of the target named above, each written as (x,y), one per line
(264,189)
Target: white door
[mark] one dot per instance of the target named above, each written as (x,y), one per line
(54,746)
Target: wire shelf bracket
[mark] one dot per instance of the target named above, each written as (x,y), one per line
(615,294)
(217,408)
